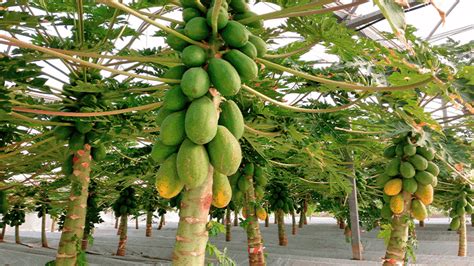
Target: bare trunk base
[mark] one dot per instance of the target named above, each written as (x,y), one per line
(282,238)
(462,249)
(2,235)
(162,221)
(136,223)
(149,222)
(293,223)
(116,222)
(267,221)
(85,241)
(17,234)
(228,225)
(122,246)
(422,223)
(236,218)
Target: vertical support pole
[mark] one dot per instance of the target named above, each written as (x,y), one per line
(354,213)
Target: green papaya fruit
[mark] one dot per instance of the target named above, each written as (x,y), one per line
(424,177)
(455,224)
(235,34)
(160,152)
(168,184)
(188,3)
(250,50)
(389,152)
(243,184)
(409,150)
(192,164)
(195,82)
(245,66)
(468,208)
(233,179)
(426,152)
(175,72)
(194,56)
(161,115)
(77,141)
(172,131)
(224,77)
(221,190)
(254,24)
(224,152)
(410,185)
(99,152)
(83,127)
(175,42)
(249,169)
(239,6)
(418,210)
(259,44)
(201,121)
(232,118)
(407,170)
(432,168)
(222,18)
(174,99)
(197,29)
(190,13)
(419,162)
(392,168)
(399,150)
(62,132)
(435,181)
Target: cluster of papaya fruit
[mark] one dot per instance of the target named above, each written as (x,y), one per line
(241,183)
(279,198)
(16,216)
(126,202)
(192,131)
(412,170)
(462,206)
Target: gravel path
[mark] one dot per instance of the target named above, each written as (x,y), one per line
(319,243)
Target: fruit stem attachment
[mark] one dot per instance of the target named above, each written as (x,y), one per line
(302,110)
(344,85)
(215,16)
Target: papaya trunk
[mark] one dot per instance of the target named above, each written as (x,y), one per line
(44,240)
(305,210)
(302,218)
(275,220)
(116,222)
(192,235)
(236,218)
(228,225)
(462,249)
(53,223)
(17,234)
(254,237)
(136,223)
(162,221)
(85,241)
(341,223)
(149,221)
(123,236)
(293,223)
(422,223)
(2,235)
(396,249)
(267,220)
(282,239)
(119,230)
(73,228)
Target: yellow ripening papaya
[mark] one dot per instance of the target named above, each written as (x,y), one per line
(425,193)
(397,204)
(167,182)
(261,214)
(221,190)
(418,210)
(393,187)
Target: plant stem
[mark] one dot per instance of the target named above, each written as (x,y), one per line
(282,239)
(254,237)
(123,235)
(214,17)
(258,132)
(298,109)
(344,85)
(462,248)
(49,51)
(44,240)
(192,235)
(149,220)
(126,9)
(147,107)
(73,228)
